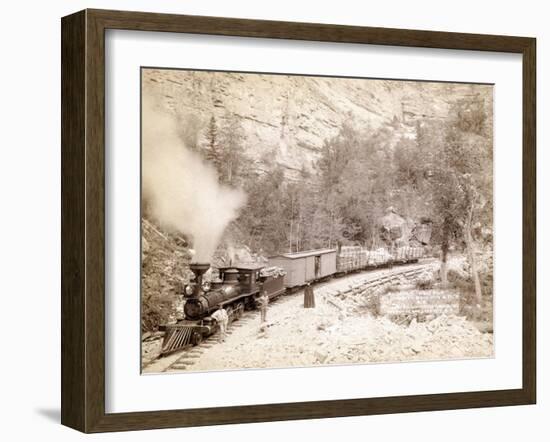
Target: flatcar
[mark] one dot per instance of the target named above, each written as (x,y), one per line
(408,254)
(355,258)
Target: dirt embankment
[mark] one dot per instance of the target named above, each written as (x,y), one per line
(304,337)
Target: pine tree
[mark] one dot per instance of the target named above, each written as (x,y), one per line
(213,153)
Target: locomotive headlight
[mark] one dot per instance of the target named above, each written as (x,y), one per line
(206,286)
(189,290)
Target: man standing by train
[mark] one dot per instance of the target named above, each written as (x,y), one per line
(309,297)
(222,319)
(263,301)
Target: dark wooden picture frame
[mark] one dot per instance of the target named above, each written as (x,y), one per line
(83,220)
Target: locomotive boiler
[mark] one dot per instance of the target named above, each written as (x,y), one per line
(204,298)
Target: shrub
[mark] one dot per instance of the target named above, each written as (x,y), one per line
(425,280)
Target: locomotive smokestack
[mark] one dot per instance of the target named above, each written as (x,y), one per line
(199,270)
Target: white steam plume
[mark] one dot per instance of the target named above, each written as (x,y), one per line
(182,191)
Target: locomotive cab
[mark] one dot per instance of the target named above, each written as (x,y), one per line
(247,276)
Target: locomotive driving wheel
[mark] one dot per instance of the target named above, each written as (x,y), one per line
(239,309)
(235,312)
(196,338)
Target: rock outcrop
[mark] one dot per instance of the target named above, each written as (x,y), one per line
(288,118)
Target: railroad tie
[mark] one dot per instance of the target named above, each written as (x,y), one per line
(190,356)
(182,364)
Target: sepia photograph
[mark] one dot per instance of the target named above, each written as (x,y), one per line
(299,220)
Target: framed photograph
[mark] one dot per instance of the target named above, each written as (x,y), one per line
(267,221)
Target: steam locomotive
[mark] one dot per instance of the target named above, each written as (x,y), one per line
(237,290)
(239,287)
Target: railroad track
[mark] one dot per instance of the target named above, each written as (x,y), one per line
(187,357)
(393,277)
(191,355)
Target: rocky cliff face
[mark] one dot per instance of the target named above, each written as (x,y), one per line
(286,119)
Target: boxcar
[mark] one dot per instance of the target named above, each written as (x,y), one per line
(304,267)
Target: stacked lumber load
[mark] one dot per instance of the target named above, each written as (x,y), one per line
(408,253)
(351,258)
